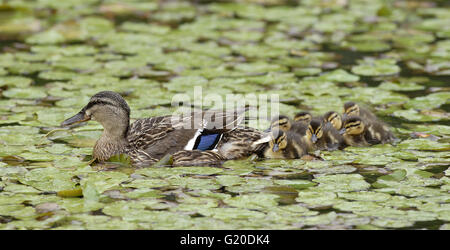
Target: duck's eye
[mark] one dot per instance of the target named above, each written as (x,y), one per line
(332,118)
(352,110)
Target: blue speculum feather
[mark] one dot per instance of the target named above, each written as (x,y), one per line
(207,142)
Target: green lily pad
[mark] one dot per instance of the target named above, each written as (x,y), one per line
(380,67)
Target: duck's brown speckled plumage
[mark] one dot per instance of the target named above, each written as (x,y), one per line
(148,140)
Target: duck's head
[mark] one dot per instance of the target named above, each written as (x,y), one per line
(314,132)
(351,109)
(353,125)
(282,122)
(109,109)
(334,118)
(278,141)
(305,117)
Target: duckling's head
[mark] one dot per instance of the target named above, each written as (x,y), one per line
(278,141)
(314,131)
(109,109)
(353,125)
(334,118)
(351,109)
(305,117)
(283,122)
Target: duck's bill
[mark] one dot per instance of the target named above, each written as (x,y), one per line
(342,131)
(314,138)
(80,117)
(275,148)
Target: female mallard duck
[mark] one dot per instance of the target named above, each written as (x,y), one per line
(333,118)
(358,132)
(323,136)
(201,137)
(285,145)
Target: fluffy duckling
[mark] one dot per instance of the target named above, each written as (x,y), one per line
(334,118)
(353,109)
(285,145)
(323,136)
(353,131)
(304,117)
(285,124)
(378,131)
(357,132)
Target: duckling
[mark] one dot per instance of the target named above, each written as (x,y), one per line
(323,136)
(378,130)
(285,145)
(334,118)
(353,109)
(303,116)
(285,124)
(353,131)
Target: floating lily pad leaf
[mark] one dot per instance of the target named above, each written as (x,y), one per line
(13,118)
(194,183)
(17,211)
(20,189)
(79,205)
(307,71)
(367,46)
(316,198)
(122,159)
(253,201)
(342,182)
(397,175)
(85,139)
(229,180)
(16,81)
(251,185)
(365,196)
(102,181)
(392,223)
(146,183)
(48,179)
(47,37)
(357,205)
(258,51)
(401,86)
(297,184)
(26,93)
(424,144)
(339,75)
(231,213)
(57,75)
(144,193)
(414,115)
(380,67)
(433,100)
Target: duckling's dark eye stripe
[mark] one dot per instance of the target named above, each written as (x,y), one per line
(351,125)
(352,110)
